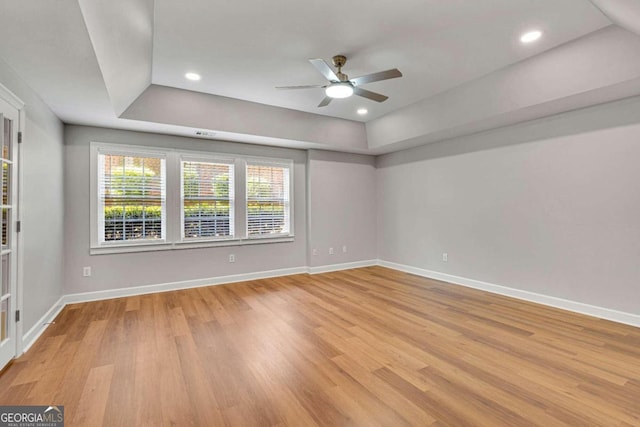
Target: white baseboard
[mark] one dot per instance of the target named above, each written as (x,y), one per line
(173,286)
(577,307)
(344,266)
(212,281)
(41,325)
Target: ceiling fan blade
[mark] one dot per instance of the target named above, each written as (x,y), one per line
(369,95)
(299,87)
(324,69)
(325,101)
(376,77)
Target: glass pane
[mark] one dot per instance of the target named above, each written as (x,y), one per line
(208,199)
(4,318)
(6,183)
(6,144)
(6,230)
(5,274)
(267,200)
(207,219)
(133,193)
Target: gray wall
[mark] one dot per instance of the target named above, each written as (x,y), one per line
(342,208)
(557,214)
(42,202)
(113,271)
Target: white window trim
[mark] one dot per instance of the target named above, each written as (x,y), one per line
(94,209)
(276,163)
(213,159)
(173,226)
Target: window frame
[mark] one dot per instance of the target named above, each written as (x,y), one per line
(258,161)
(97,214)
(211,159)
(174,206)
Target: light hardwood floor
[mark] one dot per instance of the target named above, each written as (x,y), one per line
(363,347)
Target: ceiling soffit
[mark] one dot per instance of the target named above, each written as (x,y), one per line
(564,78)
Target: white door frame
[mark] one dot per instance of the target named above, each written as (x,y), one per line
(19,105)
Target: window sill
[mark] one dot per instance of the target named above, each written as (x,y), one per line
(163,246)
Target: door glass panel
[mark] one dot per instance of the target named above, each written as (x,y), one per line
(6,218)
(4,317)
(5,274)
(6,183)
(6,142)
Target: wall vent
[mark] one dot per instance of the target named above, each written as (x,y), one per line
(206,133)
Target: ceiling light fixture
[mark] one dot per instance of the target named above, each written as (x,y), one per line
(193,76)
(362,111)
(339,90)
(531,36)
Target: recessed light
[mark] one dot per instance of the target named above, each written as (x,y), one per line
(193,76)
(362,111)
(531,36)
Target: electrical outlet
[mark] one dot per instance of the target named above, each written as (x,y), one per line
(232,258)
(445,257)
(330,251)
(344,249)
(86,271)
(314,252)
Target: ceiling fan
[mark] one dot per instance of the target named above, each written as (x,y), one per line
(340,86)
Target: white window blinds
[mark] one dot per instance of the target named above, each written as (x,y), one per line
(207,200)
(147,198)
(268,200)
(132,197)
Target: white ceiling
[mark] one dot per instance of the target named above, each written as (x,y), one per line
(243,49)
(88,59)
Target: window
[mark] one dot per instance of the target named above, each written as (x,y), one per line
(132,197)
(207,200)
(267,200)
(146,198)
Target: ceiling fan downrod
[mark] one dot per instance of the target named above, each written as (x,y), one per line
(338,62)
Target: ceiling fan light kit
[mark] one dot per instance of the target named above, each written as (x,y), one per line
(340,86)
(339,90)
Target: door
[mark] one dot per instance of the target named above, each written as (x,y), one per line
(9,125)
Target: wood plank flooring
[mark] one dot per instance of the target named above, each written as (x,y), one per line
(361,347)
